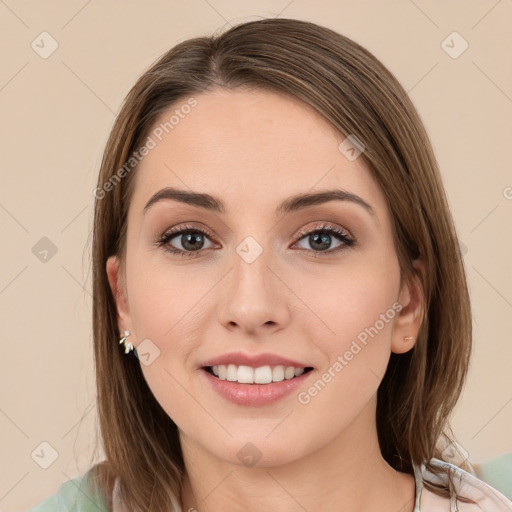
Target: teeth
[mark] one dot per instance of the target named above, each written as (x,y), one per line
(231,372)
(261,375)
(278,373)
(245,375)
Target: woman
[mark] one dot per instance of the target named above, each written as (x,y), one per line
(273,244)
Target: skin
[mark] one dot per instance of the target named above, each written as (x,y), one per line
(253,149)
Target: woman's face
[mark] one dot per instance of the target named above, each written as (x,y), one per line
(255,283)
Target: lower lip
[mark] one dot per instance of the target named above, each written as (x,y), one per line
(255,394)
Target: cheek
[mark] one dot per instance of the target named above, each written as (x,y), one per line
(357,317)
(165,308)
(347,300)
(352,326)
(162,299)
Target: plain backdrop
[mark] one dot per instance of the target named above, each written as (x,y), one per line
(65,69)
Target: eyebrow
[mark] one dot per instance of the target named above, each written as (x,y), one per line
(291,204)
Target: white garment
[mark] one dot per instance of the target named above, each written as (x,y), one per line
(487,498)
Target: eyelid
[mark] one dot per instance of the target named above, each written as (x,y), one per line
(173,232)
(301,233)
(188,227)
(324,225)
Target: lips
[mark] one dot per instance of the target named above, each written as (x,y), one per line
(254,395)
(254,360)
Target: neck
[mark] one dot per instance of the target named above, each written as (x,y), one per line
(348,473)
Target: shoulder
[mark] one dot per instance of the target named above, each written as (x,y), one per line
(73,496)
(486,498)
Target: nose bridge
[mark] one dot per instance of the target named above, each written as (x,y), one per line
(254,296)
(251,273)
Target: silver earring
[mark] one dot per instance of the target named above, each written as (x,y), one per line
(408,338)
(127,346)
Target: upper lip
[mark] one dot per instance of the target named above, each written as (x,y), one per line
(254,360)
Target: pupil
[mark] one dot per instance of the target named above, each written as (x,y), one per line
(192,239)
(322,239)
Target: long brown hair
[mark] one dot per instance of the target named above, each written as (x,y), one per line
(352,90)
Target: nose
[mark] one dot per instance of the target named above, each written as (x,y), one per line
(254,299)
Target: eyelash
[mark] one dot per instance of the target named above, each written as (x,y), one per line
(342,236)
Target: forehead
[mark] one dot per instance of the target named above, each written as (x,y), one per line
(253,148)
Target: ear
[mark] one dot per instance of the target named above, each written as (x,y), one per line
(115,279)
(409,319)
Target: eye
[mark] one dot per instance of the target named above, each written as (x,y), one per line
(320,238)
(191,240)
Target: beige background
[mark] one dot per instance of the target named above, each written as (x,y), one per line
(57,112)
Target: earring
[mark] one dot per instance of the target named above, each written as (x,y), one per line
(408,338)
(127,346)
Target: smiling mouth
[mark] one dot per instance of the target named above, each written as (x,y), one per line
(261,375)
